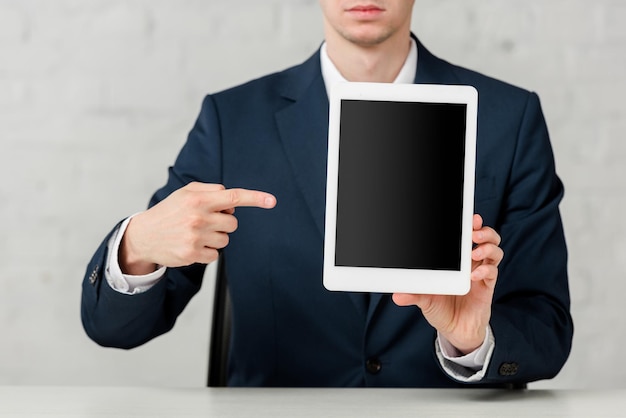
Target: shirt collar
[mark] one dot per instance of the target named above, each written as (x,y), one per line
(332,76)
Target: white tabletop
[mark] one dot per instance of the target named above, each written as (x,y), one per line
(53,401)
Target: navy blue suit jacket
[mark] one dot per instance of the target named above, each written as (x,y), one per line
(288,330)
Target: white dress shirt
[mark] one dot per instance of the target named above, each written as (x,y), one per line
(466,368)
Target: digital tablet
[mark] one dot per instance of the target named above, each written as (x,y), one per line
(400,188)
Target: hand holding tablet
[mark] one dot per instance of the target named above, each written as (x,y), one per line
(400,188)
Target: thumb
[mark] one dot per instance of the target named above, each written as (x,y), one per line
(408,299)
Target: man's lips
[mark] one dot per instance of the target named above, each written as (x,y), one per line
(365,10)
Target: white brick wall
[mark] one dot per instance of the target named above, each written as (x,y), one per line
(97,96)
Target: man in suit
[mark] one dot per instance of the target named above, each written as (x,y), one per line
(262,145)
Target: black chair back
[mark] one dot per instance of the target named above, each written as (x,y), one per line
(220,329)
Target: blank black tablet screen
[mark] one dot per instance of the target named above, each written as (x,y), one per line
(400,185)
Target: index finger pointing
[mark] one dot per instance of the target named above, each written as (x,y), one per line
(232,198)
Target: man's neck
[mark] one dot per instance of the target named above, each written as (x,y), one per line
(378,63)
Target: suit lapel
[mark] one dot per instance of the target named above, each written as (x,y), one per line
(432,70)
(303,128)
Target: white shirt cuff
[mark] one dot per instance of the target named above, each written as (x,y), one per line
(469,367)
(126,283)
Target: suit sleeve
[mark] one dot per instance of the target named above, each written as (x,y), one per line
(114,319)
(531,318)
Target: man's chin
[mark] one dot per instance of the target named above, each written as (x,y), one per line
(367,38)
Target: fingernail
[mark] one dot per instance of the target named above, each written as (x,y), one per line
(269,201)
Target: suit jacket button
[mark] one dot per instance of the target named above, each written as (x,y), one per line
(508,369)
(373,365)
(94,275)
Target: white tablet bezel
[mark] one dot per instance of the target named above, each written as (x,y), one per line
(396,280)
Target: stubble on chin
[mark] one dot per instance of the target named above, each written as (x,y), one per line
(366,40)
